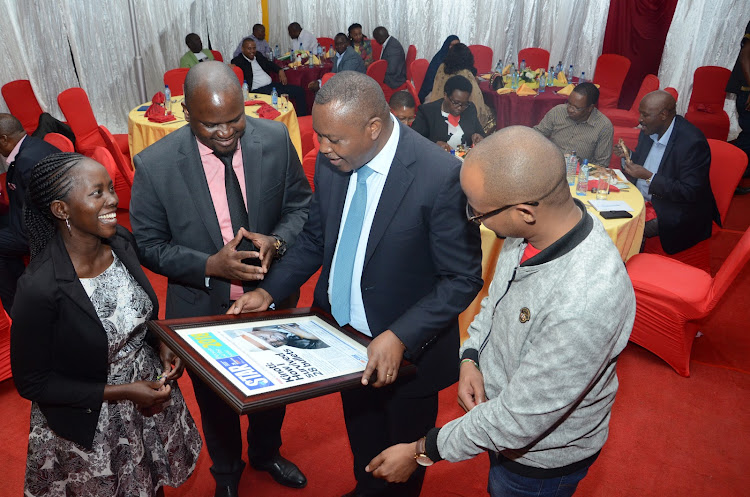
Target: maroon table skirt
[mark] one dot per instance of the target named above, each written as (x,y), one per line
(302,76)
(514,110)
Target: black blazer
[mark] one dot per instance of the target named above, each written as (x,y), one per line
(394,54)
(423,259)
(59,352)
(247,68)
(431,124)
(681,190)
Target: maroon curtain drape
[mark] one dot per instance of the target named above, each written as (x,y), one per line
(638,30)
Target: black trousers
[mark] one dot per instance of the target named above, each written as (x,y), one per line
(12,250)
(296,95)
(375,420)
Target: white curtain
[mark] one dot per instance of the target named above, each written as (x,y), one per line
(703,33)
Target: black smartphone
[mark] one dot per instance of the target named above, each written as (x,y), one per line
(615,214)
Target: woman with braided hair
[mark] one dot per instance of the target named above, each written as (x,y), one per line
(107,419)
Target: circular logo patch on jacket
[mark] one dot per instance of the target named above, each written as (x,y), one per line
(525,314)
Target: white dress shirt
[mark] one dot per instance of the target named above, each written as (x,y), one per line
(380,164)
(308,40)
(260,77)
(653,159)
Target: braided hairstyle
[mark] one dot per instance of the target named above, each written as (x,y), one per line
(50,180)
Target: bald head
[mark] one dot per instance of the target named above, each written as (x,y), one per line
(380,34)
(11,132)
(656,112)
(355,96)
(662,99)
(213,76)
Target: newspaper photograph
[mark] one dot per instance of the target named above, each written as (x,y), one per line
(270,355)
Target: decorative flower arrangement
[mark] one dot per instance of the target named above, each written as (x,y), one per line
(528,76)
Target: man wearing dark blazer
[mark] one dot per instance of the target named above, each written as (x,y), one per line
(403,278)
(184,211)
(347,59)
(670,167)
(393,53)
(441,121)
(21,153)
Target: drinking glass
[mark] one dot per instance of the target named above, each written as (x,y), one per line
(602,184)
(285,96)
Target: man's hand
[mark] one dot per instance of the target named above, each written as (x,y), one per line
(282,77)
(395,464)
(313,85)
(476,138)
(621,150)
(173,365)
(470,386)
(636,171)
(444,146)
(227,262)
(266,247)
(384,353)
(254,301)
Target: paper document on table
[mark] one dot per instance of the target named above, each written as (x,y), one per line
(610,205)
(620,175)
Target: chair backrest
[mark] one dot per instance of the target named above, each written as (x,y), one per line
(611,70)
(414,94)
(418,72)
(22,103)
(377,49)
(122,163)
(5,322)
(709,83)
(672,91)
(411,56)
(75,104)
(377,70)
(650,83)
(482,58)
(325,42)
(728,163)
(308,165)
(175,79)
(729,270)
(238,72)
(535,58)
(326,77)
(217,56)
(103,157)
(60,141)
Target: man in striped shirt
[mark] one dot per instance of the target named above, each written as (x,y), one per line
(579,126)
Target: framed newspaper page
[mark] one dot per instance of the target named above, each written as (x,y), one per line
(267,359)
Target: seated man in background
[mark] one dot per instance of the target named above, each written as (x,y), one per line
(393,53)
(670,168)
(196,53)
(259,37)
(301,37)
(403,106)
(346,59)
(256,69)
(452,120)
(579,126)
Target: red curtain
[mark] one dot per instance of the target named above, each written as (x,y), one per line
(638,29)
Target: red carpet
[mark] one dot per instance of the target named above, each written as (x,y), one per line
(669,436)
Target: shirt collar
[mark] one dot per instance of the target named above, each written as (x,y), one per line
(12,155)
(250,61)
(381,163)
(386,42)
(204,150)
(665,137)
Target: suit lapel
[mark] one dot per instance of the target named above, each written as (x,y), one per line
(670,143)
(252,157)
(68,279)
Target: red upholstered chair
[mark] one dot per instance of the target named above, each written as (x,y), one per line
(217,56)
(535,58)
(706,107)
(3,195)
(308,164)
(414,94)
(611,70)
(124,166)
(238,72)
(418,72)
(326,77)
(60,141)
(673,298)
(22,103)
(482,58)
(377,70)
(75,104)
(175,79)
(103,157)
(5,323)
(325,42)
(629,117)
(672,91)
(306,134)
(411,56)
(377,49)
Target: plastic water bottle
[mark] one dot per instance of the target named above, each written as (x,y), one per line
(583,77)
(277,51)
(570,74)
(583,179)
(571,167)
(558,67)
(542,82)
(167,99)
(320,53)
(245,91)
(514,80)
(523,64)
(499,66)
(274,98)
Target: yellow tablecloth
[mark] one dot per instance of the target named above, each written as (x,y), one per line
(626,234)
(142,132)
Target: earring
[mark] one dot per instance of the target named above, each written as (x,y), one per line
(67,223)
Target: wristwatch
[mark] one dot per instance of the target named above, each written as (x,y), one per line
(279,245)
(420,456)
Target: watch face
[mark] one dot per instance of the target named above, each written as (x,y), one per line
(423,460)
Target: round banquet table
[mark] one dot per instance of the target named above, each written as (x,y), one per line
(302,76)
(142,132)
(626,234)
(525,111)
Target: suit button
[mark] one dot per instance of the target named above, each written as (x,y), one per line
(224,306)
(88,411)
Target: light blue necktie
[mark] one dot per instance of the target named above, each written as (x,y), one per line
(341,287)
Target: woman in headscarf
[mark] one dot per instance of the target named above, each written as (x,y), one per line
(429,76)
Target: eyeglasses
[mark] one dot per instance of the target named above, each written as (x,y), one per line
(458,105)
(477,219)
(576,109)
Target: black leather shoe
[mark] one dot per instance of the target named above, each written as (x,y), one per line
(282,470)
(226,491)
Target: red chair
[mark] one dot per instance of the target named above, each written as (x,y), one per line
(418,71)
(482,58)
(377,49)
(411,56)
(706,107)
(75,104)
(3,194)
(326,77)
(414,94)
(103,157)
(239,73)
(306,133)
(673,298)
(629,117)
(22,103)
(535,58)
(377,70)
(308,165)
(217,56)
(611,70)
(5,322)
(123,164)
(175,79)
(325,42)
(62,142)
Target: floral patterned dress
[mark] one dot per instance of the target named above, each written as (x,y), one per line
(364,49)
(132,455)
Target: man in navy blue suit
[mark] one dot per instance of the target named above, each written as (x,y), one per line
(414,265)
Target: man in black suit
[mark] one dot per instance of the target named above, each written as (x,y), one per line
(452,121)
(346,59)
(257,69)
(670,167)
(192,218)
(399,263)
(393,53)
(21,153)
